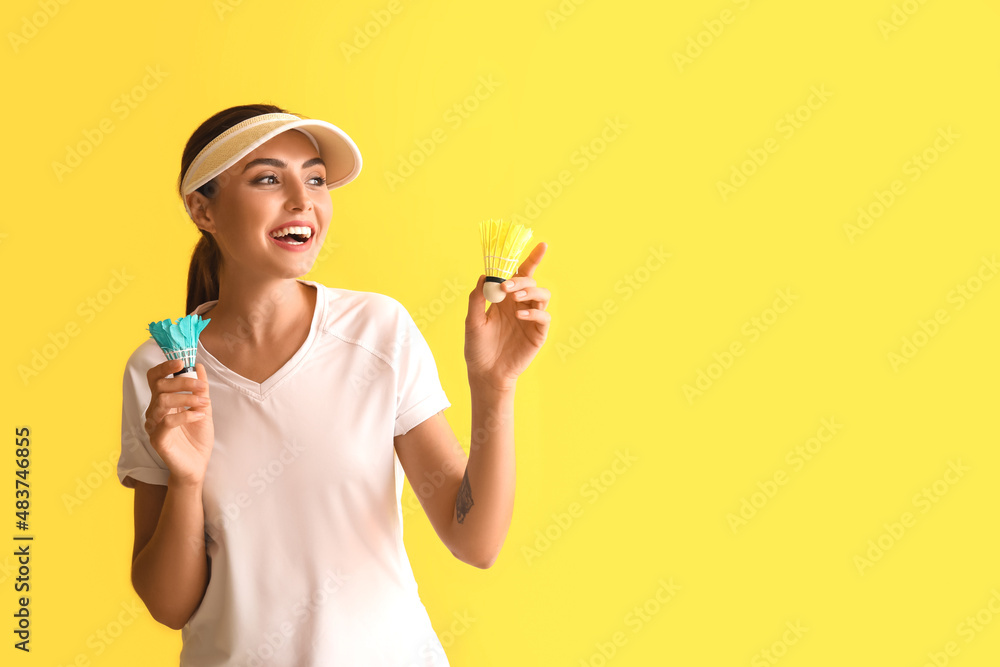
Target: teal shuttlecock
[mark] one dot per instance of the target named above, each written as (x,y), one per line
(180,340)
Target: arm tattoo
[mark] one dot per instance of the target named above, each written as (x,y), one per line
(464,502)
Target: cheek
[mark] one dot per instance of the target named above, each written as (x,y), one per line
(237,228)
(324,205)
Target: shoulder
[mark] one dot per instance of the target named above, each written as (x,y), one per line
(377,322)
(144,357)
(354,310)
(135,383)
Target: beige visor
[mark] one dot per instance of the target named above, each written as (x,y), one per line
(341,155)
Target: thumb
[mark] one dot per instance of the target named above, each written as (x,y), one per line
(203,376)
(477,303)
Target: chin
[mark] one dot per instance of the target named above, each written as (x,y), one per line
(303,268)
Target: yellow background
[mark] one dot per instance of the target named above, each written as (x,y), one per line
(610,380)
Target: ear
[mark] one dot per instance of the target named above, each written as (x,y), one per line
(198,204)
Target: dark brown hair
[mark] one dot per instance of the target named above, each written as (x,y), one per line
(203,275)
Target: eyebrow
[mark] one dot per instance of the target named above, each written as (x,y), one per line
(281,164)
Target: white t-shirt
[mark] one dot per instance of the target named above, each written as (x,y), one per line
(303,522)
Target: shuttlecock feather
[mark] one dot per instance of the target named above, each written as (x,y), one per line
(180,340)
(503,243)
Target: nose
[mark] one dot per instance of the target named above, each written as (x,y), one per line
(298,198)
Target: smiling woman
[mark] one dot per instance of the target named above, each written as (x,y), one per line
(345,381)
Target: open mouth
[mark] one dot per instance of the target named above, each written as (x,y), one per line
(292,235)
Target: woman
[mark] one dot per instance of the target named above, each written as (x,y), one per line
(267,519)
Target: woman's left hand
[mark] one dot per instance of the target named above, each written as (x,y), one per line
(502,341)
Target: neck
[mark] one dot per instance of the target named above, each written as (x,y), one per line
(260,312)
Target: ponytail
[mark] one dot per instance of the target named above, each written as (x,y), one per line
(203,275)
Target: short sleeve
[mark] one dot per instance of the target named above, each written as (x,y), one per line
(419,394)
(138,460)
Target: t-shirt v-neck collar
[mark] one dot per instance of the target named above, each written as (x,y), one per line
(261,390)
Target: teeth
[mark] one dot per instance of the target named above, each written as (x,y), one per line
(284,231)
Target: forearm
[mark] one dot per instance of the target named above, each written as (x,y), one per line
(485,502)
(170,574)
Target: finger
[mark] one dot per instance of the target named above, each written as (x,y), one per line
(178,419)
(515,283)
(477,304)
(529,265)
(156,428)
(169,404)
(201,383)
(535,315)
(161,371)
(184,382)
(539,295)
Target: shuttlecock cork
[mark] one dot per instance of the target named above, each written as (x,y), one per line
(180,340)
(503,243)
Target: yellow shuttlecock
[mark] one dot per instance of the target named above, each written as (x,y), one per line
(503,243)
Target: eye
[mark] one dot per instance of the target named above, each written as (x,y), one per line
(319,180)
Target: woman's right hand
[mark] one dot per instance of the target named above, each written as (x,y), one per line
(182,438)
